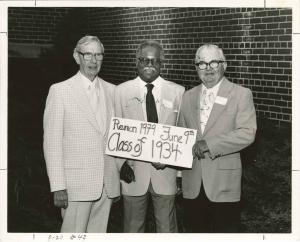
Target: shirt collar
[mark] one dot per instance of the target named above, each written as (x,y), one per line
(87,84)
(156,83)
(214,89)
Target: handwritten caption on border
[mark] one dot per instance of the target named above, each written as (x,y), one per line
(140,140)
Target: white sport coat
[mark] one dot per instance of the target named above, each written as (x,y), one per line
(230,128)
(127,105)
(74,144)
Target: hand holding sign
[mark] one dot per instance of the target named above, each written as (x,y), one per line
(126,173)
(158,165)
(151,142)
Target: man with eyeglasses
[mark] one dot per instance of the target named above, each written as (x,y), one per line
(224,115)
(149,98)
(83,179)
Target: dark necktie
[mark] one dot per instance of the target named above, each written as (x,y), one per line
(150,105)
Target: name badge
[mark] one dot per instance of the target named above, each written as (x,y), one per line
(167,104)
(221,100)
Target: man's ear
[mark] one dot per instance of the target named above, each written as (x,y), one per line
(76,57)
(225,65)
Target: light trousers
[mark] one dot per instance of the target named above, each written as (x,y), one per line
(87,217)
(135,209)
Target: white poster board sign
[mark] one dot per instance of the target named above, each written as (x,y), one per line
(140,140)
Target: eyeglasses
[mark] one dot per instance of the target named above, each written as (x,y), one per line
(88,56)
(214,64)
(147,61)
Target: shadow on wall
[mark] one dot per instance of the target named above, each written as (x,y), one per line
(30,206)
(57,63)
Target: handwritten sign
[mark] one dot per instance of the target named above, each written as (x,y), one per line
(140,140)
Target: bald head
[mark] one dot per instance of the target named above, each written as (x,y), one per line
(203,49)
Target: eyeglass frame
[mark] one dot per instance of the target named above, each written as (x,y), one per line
(153,61)
(101,55)
(209,64)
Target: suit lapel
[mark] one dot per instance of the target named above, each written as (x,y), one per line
(82,100)
(195,107)
(217,109)
(164,95)
(108,104)
(135,101)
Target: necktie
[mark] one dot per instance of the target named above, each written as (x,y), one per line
(207,102)
(150,105)
(97,106)
(93,96)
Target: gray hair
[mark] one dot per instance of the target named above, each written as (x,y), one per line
(86,40)
(210,46)
(151,43)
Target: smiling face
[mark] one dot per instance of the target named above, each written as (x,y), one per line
(148,63)
(210,76)
(89,68)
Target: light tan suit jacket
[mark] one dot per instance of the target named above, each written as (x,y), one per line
(128,105)
(230,128)
(74,144)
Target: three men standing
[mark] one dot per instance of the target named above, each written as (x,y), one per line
(85,180)
(76,120)
(148,98)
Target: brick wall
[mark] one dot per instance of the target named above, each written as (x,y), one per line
(34,25)
(32,31)
(256,42)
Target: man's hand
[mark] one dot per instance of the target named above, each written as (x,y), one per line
(61,199)
(126,173)
(179,185)
(158,166)
(199,148)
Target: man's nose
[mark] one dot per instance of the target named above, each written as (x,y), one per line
(208,66)
(94,59)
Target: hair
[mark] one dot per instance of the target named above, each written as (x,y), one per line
(210,46)
(151,43)
(86,40)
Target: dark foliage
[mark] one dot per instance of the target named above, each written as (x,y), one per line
(266,186)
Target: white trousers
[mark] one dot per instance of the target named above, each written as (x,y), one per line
(87,217)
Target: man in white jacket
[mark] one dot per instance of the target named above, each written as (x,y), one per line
(76,119)
(148,98)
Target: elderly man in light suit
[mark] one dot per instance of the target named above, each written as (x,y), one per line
(148,98)
(224,115)
(76,119)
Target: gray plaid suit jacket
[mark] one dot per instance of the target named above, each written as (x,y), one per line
(230,128)
(74,144)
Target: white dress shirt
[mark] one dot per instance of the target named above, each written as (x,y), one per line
(207,100)
(94,91)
